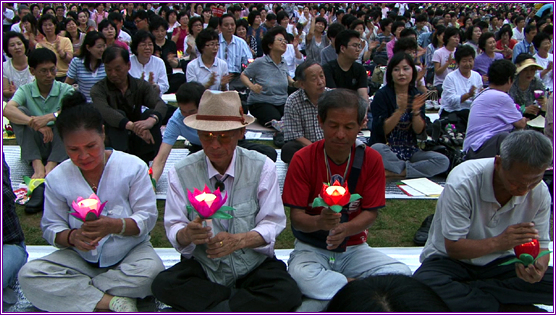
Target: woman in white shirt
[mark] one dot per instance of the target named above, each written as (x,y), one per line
(146,66)
(208,69)
(292,56)
(544,59)
(15,71)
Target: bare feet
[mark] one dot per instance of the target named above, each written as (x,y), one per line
(50,166)
(39,169)
(392,174)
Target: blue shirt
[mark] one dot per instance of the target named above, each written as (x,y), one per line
(176,127)
(522,47)
(235,54)
(85,78)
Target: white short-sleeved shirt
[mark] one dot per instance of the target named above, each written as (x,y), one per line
(468,209)
(197,71)
(18,78)
(548,79)
(441,56)
(156,66)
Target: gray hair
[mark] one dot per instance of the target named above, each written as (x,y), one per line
(342,98)
(300,70)
(527,146)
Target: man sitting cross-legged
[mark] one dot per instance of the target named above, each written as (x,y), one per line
(33,111)
(331,248)
(488,207)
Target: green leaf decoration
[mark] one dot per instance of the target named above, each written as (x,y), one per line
(526,259)
(336,208)
(190,209)
(153,182)
(221,215)
(354,197)
(319,202)
(511,261)
(225,208)
(27,180)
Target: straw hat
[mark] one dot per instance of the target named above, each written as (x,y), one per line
(527,63)
(219,111)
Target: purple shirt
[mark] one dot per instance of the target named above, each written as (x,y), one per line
(482,62)
(492,112)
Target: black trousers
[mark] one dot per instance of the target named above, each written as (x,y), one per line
(261,148)
(470,288)
(265,112)
(268,288)
(490,148)
(127,141)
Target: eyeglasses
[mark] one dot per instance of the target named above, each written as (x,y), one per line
(209,137)
(281,40)
(356,46)
(213,45)
(144,45)
(45,71)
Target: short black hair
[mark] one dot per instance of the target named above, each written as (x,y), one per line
(190,92)
(194,20)
(354,24)
(271,17)
(280,16)
(334,29)
(115,16)
(48,17)
(9,35)
(141,14)
(464,51)
(505,29)
(483,39)
(205,36)
(242,22)
(140,37)
(321,20)
(396,59)
(156,22)
(385,22)
(500,71)
(449,32)
(343,39)
(404,44)
(76,114)
(41,55)
(341,99)
(252,16)
(408,32)
(421,18)
(539,38)
(440,29)
(226,16)
(113,52)
(529,28)
(269,37)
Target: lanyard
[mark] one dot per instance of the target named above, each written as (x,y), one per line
(329,173)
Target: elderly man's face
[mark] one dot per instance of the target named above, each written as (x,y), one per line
(519,179)
(340,129)
(116,70)
(314,82)
(219,146)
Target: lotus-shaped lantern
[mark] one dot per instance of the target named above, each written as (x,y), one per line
(208,204)
(87,209)
(538,94)
(527,253)
(334,196)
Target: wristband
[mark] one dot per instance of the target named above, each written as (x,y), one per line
(123,227)
(155,117)
(69,234)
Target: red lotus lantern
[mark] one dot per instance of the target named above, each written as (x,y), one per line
(334,196)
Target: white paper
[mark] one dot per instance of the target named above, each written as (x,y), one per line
(424,185)
(250,135)
(538,122)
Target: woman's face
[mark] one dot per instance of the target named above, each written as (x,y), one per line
(85,148)
(196,28)
(206,16)
(16,47)
(51,12)
(159,34)
(545,46)
(398,32)
(26,26)
(98,48)
(466,64)
(359,28)
(505,37)
(402,73)
(145,48)
(319,27)
(468,23)
(48,28)
(476,34)
(36,11)
(279,45)
(82,18)
(284,23)
(100,7)
(527,74)
(453,41)
(71,27)
(241,31)
(73,8)
(199,9)
(490,45)
(211,48)
(109,32)
(172,18)
(184,20)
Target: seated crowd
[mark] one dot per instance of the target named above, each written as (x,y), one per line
(83,86)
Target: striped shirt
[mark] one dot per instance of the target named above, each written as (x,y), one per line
(235,54)
(85,78)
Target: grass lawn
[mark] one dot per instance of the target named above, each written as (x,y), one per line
(395,226)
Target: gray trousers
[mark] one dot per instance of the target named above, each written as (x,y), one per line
(421,164)
(33,146)
(65,282)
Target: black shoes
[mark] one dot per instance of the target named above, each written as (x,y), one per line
(278,139)
(422,233)
(36,201)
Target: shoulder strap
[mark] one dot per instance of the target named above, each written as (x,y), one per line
(356,167)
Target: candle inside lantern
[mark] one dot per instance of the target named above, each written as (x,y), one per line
(336,191)
(208,198)
(89,203)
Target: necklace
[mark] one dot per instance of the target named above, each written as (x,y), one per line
(93,186)
(329,173)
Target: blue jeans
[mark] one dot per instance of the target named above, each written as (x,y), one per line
(14,256)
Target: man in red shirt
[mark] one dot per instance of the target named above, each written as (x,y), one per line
(331,248)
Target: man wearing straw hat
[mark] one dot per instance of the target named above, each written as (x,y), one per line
(231,265)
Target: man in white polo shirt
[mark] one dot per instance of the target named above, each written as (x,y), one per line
(488,207)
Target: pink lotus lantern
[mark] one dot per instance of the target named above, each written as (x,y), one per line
(538,94)
(87,209)
(208,205)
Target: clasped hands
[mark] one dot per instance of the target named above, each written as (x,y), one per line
(223,244)
(142,129)
(86,238)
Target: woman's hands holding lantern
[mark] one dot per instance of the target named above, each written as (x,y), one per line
(96,230)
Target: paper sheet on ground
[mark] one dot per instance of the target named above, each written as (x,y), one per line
(425,186)
(538,122)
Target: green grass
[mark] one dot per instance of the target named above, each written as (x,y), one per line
(395,225)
